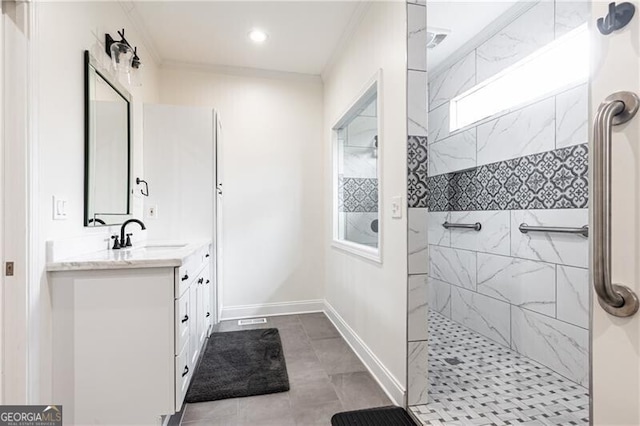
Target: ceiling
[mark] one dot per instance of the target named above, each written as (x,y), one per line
(302,34)
(465,19)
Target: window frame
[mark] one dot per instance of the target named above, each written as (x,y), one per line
(370,253)
(454,112)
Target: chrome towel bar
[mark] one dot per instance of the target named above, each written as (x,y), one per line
(615,299)
(475,226)
(584,231)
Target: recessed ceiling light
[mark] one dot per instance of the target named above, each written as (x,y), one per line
(258,36)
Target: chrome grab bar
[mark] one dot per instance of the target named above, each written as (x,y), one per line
(584,231)
(616,299)
(475,226)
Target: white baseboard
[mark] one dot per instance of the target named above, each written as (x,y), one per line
(383,376)
(271,309)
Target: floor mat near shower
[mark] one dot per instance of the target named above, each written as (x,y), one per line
(383,416)
(240,363)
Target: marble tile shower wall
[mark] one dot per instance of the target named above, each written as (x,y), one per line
(529,292)
(417,346)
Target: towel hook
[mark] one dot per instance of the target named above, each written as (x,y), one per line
(145,191)
(619,16)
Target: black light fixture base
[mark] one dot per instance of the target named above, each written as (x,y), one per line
(108,41)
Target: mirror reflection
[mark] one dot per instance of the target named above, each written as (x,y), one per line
(107,156)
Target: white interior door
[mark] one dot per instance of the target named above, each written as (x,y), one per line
(15,155)
(218,235)
(616,341)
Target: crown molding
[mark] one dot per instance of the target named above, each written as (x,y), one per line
(135,18)
(354,22)
(239,71)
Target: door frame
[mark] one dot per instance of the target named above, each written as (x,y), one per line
(218,195)
(20,294)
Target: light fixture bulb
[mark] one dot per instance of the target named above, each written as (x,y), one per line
(258,36)
(121,57)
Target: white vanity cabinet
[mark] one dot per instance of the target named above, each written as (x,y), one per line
(127,333)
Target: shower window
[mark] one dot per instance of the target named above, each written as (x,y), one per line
(562,63)
(356,145)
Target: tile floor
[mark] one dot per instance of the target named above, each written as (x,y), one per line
(474,381)
(325,376)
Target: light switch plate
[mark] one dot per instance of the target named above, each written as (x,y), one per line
(396,207)
(60,208)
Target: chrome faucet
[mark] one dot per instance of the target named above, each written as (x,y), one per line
(127,243)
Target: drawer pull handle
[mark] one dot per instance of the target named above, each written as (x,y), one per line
(201,280)
(206,255)
(208,314)
(186,277)
(185,319)
(186,371)
(207,282)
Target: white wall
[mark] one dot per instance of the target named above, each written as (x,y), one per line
(371,298)
(62,32)
(273,204)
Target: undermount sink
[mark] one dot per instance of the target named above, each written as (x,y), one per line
(162,246)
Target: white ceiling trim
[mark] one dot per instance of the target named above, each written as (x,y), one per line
(137,22)
(353,24)
(239,71)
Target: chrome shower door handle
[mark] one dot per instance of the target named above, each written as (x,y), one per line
(616,299)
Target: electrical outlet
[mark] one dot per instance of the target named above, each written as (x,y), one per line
(152,212)
(396,207)
(60,208)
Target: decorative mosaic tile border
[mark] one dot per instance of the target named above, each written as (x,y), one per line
(358,195)
(549,180)
(417,147)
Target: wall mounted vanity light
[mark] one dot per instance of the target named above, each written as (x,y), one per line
(124,57)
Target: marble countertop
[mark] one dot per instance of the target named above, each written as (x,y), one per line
(152,254)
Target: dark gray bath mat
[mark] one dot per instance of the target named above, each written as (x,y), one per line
(240,363)
(383,416)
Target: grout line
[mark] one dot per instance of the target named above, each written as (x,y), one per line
(556,272)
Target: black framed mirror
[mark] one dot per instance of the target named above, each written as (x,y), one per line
(107,168)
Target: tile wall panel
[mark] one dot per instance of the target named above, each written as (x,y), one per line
(493,237)
(528,292)
(417,309)
(418,241)
(454,153)
(524,132)
(560,346)
(572,117)
(457,267)
(520,282)
(456,80)
(485,315)
(523,36)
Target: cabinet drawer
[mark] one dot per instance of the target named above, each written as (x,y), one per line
(183,322)
(183,376)
(189,271)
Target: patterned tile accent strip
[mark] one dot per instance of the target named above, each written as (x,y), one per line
(417,173)
(358,195)
(473,381)
(549,180)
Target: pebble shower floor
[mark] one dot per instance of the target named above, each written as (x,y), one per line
(474,381)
